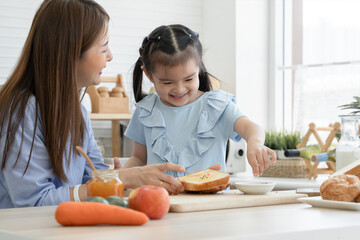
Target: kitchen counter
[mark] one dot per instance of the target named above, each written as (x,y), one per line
(289,221)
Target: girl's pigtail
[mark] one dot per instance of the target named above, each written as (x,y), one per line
(138,73)
(137,81)
(204,79)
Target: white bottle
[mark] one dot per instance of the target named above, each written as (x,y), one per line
(348,148)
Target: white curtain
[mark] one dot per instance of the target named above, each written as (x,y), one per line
(319,91)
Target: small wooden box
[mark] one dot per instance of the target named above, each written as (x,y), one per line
(115,101)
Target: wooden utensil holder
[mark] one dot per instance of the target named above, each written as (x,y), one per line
(312,168)
(104,101)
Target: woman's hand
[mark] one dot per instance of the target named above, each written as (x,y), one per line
(258,157)
(152,175)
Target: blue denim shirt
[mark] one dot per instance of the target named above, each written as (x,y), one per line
(39,186)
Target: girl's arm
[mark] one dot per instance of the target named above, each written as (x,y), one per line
(139,156)
(257,153)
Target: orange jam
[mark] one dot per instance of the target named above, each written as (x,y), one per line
(105,183)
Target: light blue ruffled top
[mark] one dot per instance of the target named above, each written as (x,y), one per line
(193,136)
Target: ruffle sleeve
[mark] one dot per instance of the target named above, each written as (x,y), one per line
(213,105)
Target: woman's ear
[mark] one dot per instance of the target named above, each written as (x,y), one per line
(148,75)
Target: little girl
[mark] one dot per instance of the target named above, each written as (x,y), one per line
(185,122)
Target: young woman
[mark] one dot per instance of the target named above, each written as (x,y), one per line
(41,118)
(185,122)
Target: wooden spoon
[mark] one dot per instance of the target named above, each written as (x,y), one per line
(86,157)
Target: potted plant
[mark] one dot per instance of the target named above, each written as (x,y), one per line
(281,141)
(353,105)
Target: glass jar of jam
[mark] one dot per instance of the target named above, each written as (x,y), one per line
(105,183)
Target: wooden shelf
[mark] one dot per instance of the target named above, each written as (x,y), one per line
(115,119)
(110,116)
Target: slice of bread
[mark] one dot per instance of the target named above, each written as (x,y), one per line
(351,169)
(204,180)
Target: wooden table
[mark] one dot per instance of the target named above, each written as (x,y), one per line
(115,119)
(280,222)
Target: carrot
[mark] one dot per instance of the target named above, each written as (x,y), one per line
(94,213)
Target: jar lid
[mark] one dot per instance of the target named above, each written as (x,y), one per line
(106,174)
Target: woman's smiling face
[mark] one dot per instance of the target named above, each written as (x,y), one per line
(176,85)
(90,65)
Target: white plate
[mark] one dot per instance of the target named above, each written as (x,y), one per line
(319,202)
(255,188)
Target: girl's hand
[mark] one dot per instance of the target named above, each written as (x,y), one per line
(117,164)
(152,175)
(215,167)
(258,157)
(257,153)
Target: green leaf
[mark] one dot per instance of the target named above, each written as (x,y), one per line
(352,105)
(282,140)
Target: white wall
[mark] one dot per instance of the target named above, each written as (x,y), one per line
(219,41)
(236,48)
(252,59)
(15,21)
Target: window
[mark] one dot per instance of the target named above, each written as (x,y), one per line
(318,63)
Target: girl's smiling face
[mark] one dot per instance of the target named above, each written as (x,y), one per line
(176,85)
(89,67)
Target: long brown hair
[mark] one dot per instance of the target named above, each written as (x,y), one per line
(61,32)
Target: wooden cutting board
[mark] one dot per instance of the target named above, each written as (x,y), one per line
(229,199)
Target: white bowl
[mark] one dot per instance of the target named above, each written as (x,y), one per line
(255,188)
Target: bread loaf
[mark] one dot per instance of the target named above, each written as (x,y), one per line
(351,169)
(340,188)
(204,180)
